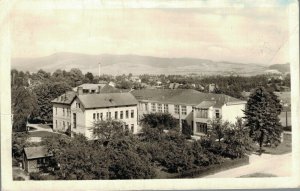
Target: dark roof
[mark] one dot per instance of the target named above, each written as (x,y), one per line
(65,98)
(181,96)
(107,100)
(36,152)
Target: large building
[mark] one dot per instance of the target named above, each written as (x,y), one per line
(193,109)
(190,107)
(88,108)
(62,104)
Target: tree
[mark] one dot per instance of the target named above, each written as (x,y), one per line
(107,130)
(45,93)
(161,121)
(261,114)
(218,128)
(237,140)
(76,76)
(24,106)
(89,77)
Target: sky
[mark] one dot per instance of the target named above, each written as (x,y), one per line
(234,31)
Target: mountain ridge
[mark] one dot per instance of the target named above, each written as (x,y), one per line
(136,64)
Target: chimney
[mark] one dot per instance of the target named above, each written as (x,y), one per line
(80,90)
(99,89)
(99,67)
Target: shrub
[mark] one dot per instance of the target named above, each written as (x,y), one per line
(35,176)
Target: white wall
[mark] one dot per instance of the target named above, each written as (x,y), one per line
(128,121)
(231,111)
(59,118)
(80,118)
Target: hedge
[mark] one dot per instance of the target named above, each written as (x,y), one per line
(204,171)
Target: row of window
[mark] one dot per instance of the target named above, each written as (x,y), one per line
(203,113)
(65,124)
(66,112)
(99,116)
(165,108)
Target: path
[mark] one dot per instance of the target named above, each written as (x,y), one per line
(37,127)
(278,165)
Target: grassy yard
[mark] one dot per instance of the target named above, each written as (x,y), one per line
(43,134)
(283,148)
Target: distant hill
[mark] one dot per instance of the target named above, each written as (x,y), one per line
(119,64)
(283,68)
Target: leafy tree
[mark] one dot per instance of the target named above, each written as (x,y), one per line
(237,140)
(161,121)
(45,93)
(76,76)
(217,130)
(107,130)
(261,114)
(24,106)
(89,77)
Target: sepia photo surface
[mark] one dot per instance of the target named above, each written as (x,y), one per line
(135,95)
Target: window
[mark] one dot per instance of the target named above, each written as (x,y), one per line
(202,113)
(56,111)
(153,107)
(74,120)
(217,113)
(109,115)
(176,109)
(56,123)
(68,124)
(116,115)
(121,114)
(132,113)
(94,116)
(146,106)
(63,111)
(201,127)
(127,114)
(159,107)
(101,116)
(126,127)
(97,116)
(166,108)
(40,161)
(183,110)
(64,125)
(78,105)
(92,91)
(132,128)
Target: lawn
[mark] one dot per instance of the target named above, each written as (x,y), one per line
(43,134)
(283,148)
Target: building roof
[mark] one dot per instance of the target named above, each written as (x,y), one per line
(36,152)
(90,86)
(181,96)
(206,104)
(65,98)
(107,100)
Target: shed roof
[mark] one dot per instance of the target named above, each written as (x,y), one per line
(36,152)
(107,100)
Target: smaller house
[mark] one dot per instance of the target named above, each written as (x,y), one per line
(35,158)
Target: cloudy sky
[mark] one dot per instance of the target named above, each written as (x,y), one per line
(233,31)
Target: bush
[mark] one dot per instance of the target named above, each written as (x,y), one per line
(19,178)
(204,171)
(35,176)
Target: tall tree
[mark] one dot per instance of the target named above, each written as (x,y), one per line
(261,114)
(45,93)
(24,106)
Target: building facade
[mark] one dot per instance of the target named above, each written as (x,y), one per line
(89,108)
(192,108)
